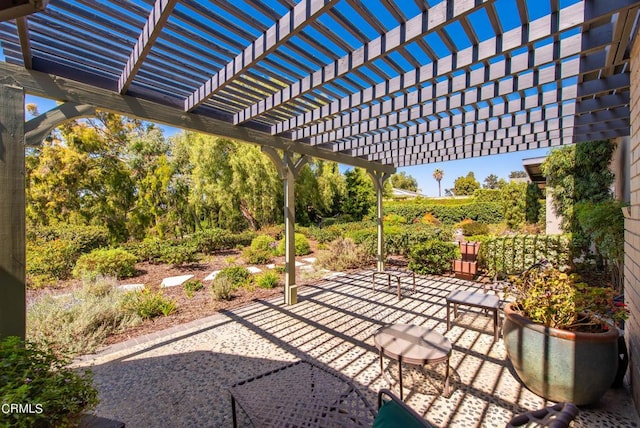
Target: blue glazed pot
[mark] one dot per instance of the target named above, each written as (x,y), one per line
(560,365)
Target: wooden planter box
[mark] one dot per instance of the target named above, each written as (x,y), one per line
(464,269)
(469,250)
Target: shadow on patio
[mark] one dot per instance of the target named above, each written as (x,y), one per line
(179,377)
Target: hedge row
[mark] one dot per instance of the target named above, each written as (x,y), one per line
(513,254)
(485,212)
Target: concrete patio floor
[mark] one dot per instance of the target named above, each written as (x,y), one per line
(178,377)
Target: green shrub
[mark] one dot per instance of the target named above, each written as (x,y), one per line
(210,240)
(115,262)
(513,254)
(394,219)
(49,261)
(79,323)
(237,275)
(487,195)
(474,228)
(260,251)
(178,254)
(222,288)
(301,243)
(148,304)
(343,254)
(275,231)
(33,374)
(433,257)
(148,250)
(322,235)
(267,279)
(398,240)
(85,238)
(485,212)
(192,286)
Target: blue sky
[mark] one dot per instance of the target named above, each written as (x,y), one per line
(500,165)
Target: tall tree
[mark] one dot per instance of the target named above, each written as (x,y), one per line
(491,182)
(438,174)
(402,180)
(517,174)
(464,186)
(360,195)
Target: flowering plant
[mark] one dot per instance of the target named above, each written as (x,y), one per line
(559,299)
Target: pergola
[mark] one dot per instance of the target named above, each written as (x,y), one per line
(376,84)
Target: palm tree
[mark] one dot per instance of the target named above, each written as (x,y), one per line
(438,174)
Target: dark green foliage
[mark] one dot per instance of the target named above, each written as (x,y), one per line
(209,241)
(115,262)
(474,228)
(603,224)
(433,257)
(156,250)
(33,374)
(237,275)
(398,240)
(148,304)
(514,203)
(533,204)
(513,254)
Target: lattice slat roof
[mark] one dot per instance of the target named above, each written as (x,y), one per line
(391,82)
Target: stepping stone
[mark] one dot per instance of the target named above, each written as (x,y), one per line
(310,259)
(174,281)
(299,264)
(271,266)
(130,287)
(253,269)
(212,275)
(307,268)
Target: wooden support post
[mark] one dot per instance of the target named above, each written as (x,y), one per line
(288,170)
(378,184)
(12,213)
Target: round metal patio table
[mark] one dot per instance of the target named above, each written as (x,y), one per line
(412,344)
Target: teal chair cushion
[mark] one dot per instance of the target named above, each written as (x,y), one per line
(393,415)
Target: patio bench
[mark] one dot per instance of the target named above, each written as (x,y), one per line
(397,275)
(484,301)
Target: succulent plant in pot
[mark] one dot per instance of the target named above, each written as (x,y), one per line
(560,334)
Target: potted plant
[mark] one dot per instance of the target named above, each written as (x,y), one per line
(560,334)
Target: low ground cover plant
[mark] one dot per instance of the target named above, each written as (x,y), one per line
(192,286)
(268,279)
(238,276)
(222,288)
(34,374)
(148,304)
(342,254)
(79,323)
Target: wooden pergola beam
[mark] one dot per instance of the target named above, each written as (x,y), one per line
(160,13)
(44,85)
(483,53)
(417,27)
(288,26)
(25,44)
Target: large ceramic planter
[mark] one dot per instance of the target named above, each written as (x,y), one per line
(560,365)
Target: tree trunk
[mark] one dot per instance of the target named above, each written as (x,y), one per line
(247,214)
